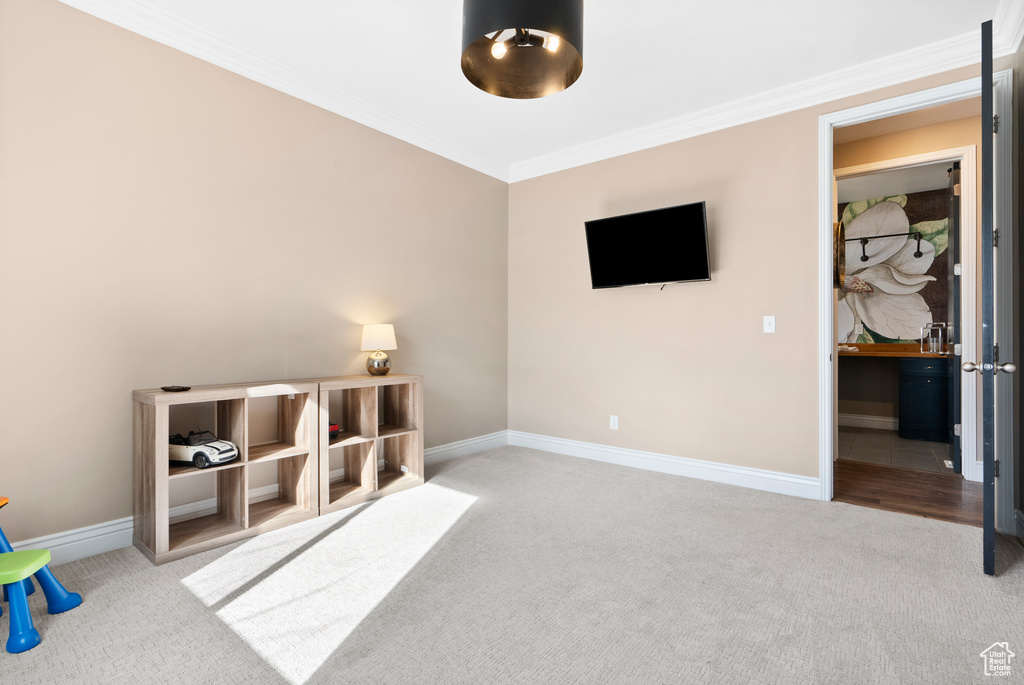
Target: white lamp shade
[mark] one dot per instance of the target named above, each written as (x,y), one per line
(378,336)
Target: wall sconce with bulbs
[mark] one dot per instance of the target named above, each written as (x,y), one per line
(378,337)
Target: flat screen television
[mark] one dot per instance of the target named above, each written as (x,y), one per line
(659,246)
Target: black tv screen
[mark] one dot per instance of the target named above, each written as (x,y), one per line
(667,245)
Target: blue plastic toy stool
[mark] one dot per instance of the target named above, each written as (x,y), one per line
(58,600)
(14,568)
(6,547)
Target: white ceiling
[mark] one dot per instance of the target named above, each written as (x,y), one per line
(654,70)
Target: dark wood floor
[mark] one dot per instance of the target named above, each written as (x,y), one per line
(932,495)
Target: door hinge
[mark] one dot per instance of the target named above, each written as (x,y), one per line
(956,189)
(995,123)
(957,270)
(995,471)
(995,237)
(956,429)
(958,350)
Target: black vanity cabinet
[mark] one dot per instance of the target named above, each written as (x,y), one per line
(924,394)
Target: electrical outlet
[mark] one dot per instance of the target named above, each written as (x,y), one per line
(769,324)
(614,423)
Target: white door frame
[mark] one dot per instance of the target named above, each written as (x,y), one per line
(826,336)
(968,259)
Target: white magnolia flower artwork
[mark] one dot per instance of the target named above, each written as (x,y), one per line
(881,300)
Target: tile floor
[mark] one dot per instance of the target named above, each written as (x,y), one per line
(887,447)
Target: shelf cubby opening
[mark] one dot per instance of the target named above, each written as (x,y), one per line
(397,409)
(351,472)
(180,469)
(354,412)
(224,418)
(279,426)
(398,465)
(206,507)
(280,488)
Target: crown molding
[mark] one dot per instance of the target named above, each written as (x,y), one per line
(176,32)
(1008,27)
(934,58)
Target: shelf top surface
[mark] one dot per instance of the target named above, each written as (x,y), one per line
(366,380)
(231,391)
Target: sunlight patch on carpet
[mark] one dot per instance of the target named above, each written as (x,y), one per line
(294,595)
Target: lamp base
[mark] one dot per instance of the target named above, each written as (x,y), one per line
(378,364)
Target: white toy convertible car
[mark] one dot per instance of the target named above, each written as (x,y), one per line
(201,449)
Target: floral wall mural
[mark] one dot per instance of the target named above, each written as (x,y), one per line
(902,285)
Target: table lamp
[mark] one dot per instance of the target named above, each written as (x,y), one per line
(378,337)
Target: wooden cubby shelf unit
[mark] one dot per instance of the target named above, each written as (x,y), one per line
(289,468)
(380,420)
(272,424)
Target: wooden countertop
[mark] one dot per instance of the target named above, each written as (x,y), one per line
(888,350)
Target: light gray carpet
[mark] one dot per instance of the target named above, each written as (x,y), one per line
(520,566)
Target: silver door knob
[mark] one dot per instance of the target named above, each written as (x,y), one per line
(1008,367)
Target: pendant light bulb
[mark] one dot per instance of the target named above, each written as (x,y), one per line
(515,67)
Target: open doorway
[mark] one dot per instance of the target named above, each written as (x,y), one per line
(898,320)
(832,122)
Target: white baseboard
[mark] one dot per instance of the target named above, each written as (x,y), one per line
(464,448)
(759,479)
(82,542)
(885,423)
(105,537)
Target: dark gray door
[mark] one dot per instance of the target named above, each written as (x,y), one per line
(988,360)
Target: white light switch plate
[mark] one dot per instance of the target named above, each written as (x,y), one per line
(769,324)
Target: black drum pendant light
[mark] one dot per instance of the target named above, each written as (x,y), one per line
(522,48)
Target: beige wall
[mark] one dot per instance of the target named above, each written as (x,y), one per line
(916,141)
(687,369)
(163,221)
